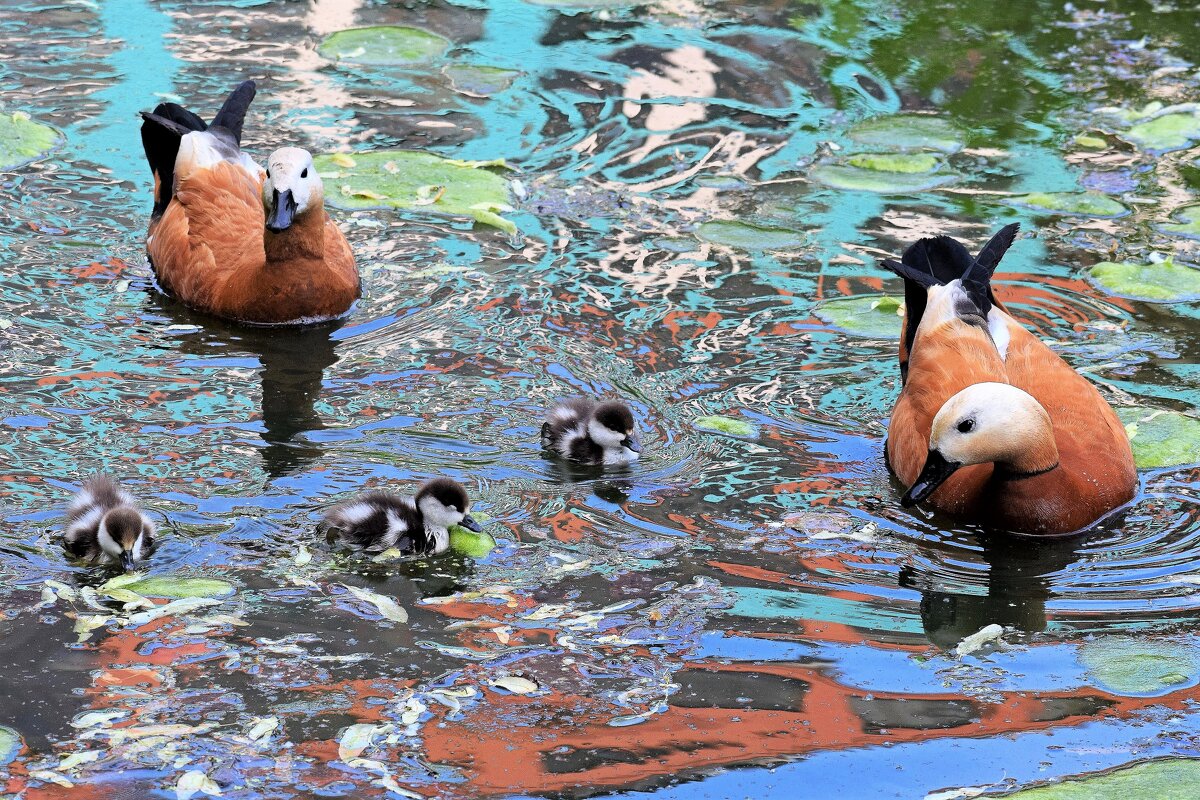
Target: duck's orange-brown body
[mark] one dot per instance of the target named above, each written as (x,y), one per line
(1095,470)
(211,249)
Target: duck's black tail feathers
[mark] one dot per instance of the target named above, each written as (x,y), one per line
(169,122)
(939,260)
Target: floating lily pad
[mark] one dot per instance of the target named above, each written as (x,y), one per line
(1166,132)
(1161,438)
(1083,204)
(477,81)
(10,744)
(1161,779)
(180,588)
(909,163)
(859,179)
(413,179)
(1126,665)
(875,316)
(1091,142)
(909,132)
(1164,282)
(747,236)
(730,426)
(1188,225)
(22,140)
(469,543)
(384,44)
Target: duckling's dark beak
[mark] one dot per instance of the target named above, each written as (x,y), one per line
(127,560)
(470,524)
(283,211)
(935,472)
(632,443)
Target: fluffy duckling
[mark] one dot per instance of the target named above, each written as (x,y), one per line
(376,521)
(105,526)
(592,433)
(232,239)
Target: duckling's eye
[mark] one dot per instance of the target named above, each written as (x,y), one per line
(268,173)
(966,426)
(304,173)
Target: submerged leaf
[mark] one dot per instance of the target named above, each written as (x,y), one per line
(1161,438)
(874,316)
(1126,665)
(731,426)
(909,132)
(1161,779)
(10,744)
(1164,282)
(1083,204)
(173,608)
(747,236)
(857,179)
(384,45)
(180,588)
(194,783)
(22,140)
(515,684)
(262,727)
(355,739)
(477,81)
(386,606)
(400,179)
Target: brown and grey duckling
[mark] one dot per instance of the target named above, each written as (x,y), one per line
(376,521)
(105,526)
(583,430)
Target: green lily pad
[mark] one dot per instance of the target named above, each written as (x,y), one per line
(413,179)
(180,588)
(1083,204)
(730,426)
(1167,132)
(384,44)
(475,81)
(469,543)
(874,316)
(10,744)
(1090,142)
(1131,666)
(1164,282)
(1161,438)
(909,132)
(22,140)
(1161,779)
(909,163)
(857,179)
(1188,225)
(747,236)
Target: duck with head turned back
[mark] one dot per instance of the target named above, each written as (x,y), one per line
(105,526)
(587,432)
(376,521)
(991,426)
(232,239)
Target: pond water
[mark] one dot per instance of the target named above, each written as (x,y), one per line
(690,180)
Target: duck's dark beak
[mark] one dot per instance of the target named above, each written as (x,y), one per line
(936,470)
(127,560)
(470,524)
(632,443)
(283,211)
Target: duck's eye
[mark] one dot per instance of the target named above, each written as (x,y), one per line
(966,426)
(304,173)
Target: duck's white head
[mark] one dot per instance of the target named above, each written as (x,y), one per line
(986,423)
(292,186)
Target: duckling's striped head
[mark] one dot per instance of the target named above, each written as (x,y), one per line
(612,427)
(443,503)
(291,188)
(124,535)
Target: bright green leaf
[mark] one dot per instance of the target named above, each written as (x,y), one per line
(908,163)
(1167,132)
(22,140)
(1131,666)
(857,179)
(1161,779)
(179,588)
(1164,282)
(1082,204)
(874,316)
(1188,225)
(1161,438)
(469,543)
(731,426)
(384,44)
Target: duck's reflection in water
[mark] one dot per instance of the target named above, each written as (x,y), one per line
(1018,583)
(292,362)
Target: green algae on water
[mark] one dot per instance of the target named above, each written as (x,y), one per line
(22,140)
(1163,282)
(1161,438)
(874,316)
(412,179)
(384,45)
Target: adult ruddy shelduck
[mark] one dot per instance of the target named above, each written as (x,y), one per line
(232,239)
(991,426)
